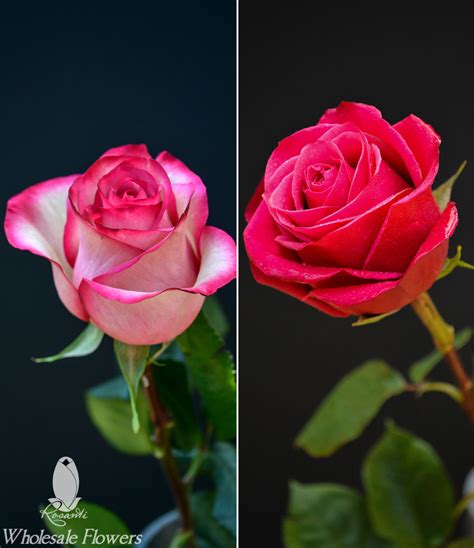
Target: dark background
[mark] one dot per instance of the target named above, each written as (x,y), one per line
(78,79)
(296,60)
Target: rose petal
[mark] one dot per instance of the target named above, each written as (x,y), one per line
(172,265)
(218,261)
(297,290)
(394,148)
(291,146)
(140,151)
(423,141)
(35,222)
(68,294)
(347,245)
(272,259)
(150,321)
(386,297)
(194,203)
(139,218)
(406,226)
(36,217)
(98,254)
(72,235)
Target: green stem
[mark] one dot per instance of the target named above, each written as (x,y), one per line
(162,423)
(443,338)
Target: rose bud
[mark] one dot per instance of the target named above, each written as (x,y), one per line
(345,219)
(128,243)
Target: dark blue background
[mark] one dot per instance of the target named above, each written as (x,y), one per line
(77,79)
(296,60)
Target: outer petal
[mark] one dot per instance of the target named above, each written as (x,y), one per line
(385,297)
(408,223)
(195,202)
(218,261)
(150,321)
(297,290)
(423,141)
(36,217)
(68,294)
(35,221)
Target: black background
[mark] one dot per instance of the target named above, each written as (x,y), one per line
(296,60)
(77,79)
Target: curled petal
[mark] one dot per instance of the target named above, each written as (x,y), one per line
(423,141)
(36,217)
(218,261)
(189,190)
(35,222)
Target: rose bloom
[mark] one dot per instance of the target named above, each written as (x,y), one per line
(345,219)
(128,243)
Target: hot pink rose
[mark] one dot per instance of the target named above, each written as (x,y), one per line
(128,243)
(345,219)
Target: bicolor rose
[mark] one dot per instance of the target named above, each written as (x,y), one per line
(345,218)
(128,243)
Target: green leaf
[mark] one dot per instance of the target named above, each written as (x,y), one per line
(209,532)
(132,361)
(328,516)
(86,343)
(454,262)
(215,315)
(349,407)
(421,368)
(212,371)
(109,409)
(462,543)
(223,468)
(367,320)
(442,194)
(97,518)
(410,497)
(173,387)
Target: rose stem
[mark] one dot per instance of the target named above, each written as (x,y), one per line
(443,338)
(161,424)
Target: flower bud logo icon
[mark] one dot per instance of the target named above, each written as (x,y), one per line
(65,485)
